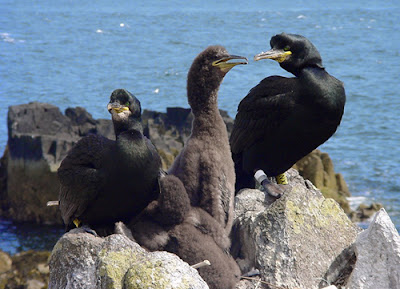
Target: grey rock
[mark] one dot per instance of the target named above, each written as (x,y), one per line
(301,240)
(5,263)
(81,260)
(378,256)
(318,168)
(39,137)
(73,261)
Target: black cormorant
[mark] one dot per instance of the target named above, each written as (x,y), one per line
(205,163)
(283,119)
(104,181)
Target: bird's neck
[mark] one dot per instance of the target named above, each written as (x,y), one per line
(314,81)
(128,125)
(319,87)
(203,98)
(131,148)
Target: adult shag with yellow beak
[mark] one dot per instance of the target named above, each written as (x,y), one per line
(283,119)
(205,164)
(104,181)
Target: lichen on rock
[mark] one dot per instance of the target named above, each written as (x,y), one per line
(295,240)
(81,260)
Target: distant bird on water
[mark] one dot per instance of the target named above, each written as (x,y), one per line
(283,119)
(205,164)
(104,181)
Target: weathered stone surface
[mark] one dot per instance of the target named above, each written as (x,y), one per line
(25,270)
(296,241)
(318,168)
(35,131)
(40,137)
(3,183)
(81,260)
(378,256)
(365,212)
(5,262)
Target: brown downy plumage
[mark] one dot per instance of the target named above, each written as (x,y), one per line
(205,164)
(171,224)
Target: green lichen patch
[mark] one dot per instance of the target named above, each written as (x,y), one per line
(114,265)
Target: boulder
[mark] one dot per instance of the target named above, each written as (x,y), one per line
(81,260)
(5,262)
(365,212)
(25,270)
(3,183)
(39,137)
(318,168)
(301,240)
(378,256)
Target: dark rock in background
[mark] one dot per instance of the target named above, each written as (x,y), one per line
(40,136)
(318,168)
(28,269)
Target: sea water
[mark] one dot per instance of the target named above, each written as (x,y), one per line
(75,53)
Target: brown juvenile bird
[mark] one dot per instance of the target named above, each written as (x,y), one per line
(205,164)
(171,224)
(104,181)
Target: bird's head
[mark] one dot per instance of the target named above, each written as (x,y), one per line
(125,110)
(214,63)
(221,60)
(207,72)
(124,105)
(293,52)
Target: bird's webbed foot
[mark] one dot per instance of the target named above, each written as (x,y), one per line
(272,189)
(251,273)
(84,227)
(89,230)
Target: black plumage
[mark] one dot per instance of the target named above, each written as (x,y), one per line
(104,181)
(205,163)
(283,119)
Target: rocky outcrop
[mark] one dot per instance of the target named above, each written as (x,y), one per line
(24,270)
(301,240)
(81,260)
(365,212)
(318,168)
(169,131)
(378,256)
(40,136)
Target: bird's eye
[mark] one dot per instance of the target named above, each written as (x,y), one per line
(127,103)
(286,48)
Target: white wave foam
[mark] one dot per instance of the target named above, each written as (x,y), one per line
(356,201)
(7,38)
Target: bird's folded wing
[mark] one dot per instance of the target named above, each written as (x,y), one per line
(263,111)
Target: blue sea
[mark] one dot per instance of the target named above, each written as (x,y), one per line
(75,53)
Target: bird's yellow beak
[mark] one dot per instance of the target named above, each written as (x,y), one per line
(279,55)
(226,63)
(118,108)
